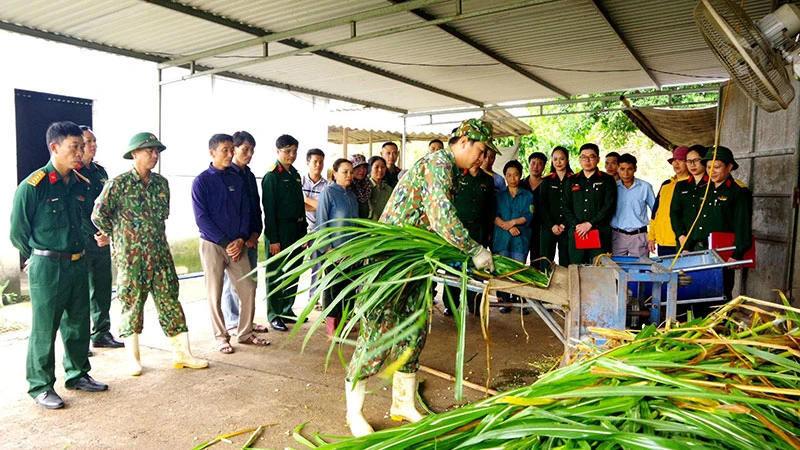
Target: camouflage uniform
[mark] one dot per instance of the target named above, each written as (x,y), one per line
(133,214)
(422,198)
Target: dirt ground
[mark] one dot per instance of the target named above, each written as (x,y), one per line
(276,386)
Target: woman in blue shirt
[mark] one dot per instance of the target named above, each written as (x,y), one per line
(336,204)
(512,232)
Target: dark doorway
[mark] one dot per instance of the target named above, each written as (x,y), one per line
(35,111)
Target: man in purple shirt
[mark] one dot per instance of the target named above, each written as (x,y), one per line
(222,212)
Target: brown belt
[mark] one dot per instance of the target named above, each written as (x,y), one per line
(59,255)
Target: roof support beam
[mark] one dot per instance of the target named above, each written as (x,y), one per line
(604,14)
(205,15)
(710,88)
(373,35)
(449,29)
(158,59)
(310,28)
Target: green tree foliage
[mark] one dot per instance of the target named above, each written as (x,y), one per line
(572,125)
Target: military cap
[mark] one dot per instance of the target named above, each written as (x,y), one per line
(477,130)
(143,140)
(724,154)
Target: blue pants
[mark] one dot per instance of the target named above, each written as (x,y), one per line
(230,302)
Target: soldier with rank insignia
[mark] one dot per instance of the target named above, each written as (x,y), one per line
(728,208)
(284,224)
(422,198)
(590,199)
(554,228)
(132,209)
(688,196)
(46,229)
(98,250)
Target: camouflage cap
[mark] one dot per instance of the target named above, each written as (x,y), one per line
(477,130)
(143,140)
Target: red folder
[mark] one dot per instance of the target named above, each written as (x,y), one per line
(719,239)
(589,242)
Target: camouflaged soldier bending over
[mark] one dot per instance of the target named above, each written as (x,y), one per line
(423,198)
(132,209)
(46,229)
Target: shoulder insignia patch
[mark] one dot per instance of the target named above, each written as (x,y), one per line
(740,183)
(36,178)
(271,169)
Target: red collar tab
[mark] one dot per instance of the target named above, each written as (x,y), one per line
(728,182)
(53,178)
(80,166)
(280,168)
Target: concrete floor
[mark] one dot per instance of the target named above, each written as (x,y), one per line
(276,386)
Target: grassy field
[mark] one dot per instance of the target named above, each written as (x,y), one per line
(186,254)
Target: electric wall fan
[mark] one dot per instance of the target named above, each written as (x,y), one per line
(755,54)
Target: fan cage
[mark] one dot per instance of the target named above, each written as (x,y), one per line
(765,61)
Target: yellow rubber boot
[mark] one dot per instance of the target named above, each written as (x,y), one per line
(133,363)
(183,354)
(404,388)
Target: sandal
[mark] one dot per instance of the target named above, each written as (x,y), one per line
(225,347)
(254,340)
(258,328)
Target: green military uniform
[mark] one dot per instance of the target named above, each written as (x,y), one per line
(133,213)
(685,203)
(552,209)
(422,198)
(475,204)
(284,223)
(98,259)
(46,229)
(592,200)
(728,209)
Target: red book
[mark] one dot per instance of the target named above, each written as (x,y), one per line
(720,239)
(589,242)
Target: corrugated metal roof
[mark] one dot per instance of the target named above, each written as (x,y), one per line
(506,126)
(565,43)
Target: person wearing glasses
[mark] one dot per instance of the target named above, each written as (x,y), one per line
(590,199)
(687,197)
(284,224)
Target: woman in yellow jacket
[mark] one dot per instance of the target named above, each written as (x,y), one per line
(661,231)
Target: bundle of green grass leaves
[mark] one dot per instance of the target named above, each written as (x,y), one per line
(720,382)
(376,265)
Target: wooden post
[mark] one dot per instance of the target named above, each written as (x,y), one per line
(370,142)
(344,142)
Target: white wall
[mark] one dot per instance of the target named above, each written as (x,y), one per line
(125,94)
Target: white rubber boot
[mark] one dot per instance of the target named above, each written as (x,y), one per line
(133,363)
(355,403)
(183,354)
(404,388)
